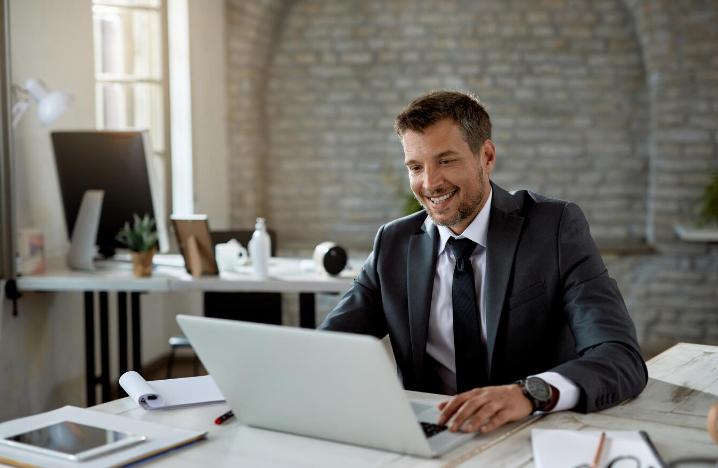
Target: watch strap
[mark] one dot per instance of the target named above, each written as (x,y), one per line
(555,394)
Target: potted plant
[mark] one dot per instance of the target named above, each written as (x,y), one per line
(709,203)
(141,239)
(706,230)
(411,204)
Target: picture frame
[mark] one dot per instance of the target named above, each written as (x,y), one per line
(195,244)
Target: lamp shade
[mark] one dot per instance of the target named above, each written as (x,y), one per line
(50,105)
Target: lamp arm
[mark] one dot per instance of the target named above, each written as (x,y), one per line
(19,92)
(23,101)
(19,109)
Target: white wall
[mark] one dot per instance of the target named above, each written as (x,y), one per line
(209,110)
(52,41)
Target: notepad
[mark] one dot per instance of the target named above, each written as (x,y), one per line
(558,448)
(170,393)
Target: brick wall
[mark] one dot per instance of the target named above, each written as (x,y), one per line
(563,82)
(609,103)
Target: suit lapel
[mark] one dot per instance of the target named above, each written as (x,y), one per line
(421,265)
(504,230)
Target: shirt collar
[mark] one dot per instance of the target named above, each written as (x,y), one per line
(477,231)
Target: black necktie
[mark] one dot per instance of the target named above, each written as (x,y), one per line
(469,350)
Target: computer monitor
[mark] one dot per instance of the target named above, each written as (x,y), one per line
(118,163)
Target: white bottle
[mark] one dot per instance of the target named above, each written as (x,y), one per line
(259,249)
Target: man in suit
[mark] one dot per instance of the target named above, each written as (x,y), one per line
(501,300)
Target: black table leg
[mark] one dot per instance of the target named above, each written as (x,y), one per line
(307,310)
(136,334)
(122,334)
(104,348)
(90,348)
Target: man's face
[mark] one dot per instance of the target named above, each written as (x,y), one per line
(448,179)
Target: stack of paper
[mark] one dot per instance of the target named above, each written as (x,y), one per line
(170,393)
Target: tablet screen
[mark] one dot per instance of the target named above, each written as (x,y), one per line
(69,437)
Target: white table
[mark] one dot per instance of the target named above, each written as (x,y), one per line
(287,275)
(683,384)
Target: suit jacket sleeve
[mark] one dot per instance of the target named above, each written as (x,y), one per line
(610,368)
(360,309)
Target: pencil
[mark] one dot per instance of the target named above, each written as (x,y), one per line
(599,449)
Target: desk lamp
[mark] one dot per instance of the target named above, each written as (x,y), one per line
(50,104)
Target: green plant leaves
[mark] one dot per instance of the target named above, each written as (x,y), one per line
(141,235)
(709,202)
(411,204)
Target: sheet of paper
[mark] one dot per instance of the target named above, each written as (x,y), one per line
(188,391)
(558,448)
(170,393)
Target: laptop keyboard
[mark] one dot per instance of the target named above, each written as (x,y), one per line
(431,430)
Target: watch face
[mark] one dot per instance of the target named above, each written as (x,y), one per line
(538,389)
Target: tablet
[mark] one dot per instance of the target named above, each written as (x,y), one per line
(71,441)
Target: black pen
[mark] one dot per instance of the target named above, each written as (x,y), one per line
(224,417)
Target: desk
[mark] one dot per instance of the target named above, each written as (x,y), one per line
(683,384)
(286,276)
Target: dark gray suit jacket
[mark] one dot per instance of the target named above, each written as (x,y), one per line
(551,305)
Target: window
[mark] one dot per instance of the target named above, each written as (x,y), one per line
(130,85)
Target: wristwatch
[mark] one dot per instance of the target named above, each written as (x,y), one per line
(542,395)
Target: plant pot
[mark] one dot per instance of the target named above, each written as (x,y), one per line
(142,263)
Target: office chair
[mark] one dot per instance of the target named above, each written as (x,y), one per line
(247,306)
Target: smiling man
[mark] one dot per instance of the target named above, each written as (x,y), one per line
(500,300)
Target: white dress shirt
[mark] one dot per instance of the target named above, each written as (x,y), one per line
(440,340)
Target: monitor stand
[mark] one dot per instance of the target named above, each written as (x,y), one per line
(84,234)
(107,252)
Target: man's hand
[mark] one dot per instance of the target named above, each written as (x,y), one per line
(485,409)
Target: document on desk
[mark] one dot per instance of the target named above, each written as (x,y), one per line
(558,448)
(170,393)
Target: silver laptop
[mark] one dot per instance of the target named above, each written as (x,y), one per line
(328,385)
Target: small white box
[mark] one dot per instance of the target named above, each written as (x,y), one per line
(30,252)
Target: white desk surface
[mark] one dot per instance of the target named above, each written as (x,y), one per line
(117,277)
(683,384)
(285,275)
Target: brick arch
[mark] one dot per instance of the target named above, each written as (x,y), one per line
(252,31)
(679,43)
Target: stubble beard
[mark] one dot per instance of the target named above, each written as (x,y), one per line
(466,209)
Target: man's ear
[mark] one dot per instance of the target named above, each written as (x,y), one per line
(488,155)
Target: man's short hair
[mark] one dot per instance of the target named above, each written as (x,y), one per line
(463,108)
